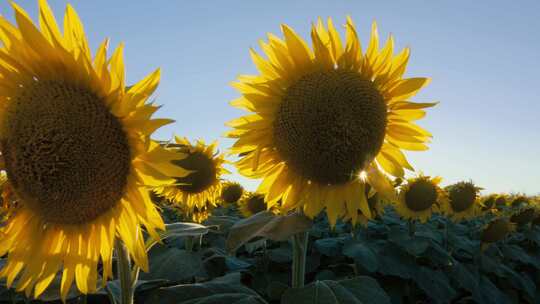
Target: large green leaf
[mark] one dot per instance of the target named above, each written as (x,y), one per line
(173,264)
(227,290)
(267,225)
(359,290)
(362,255)
(435,284)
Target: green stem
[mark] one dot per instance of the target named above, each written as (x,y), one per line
(124,273)
(299,242)
(412,228)
(189,243)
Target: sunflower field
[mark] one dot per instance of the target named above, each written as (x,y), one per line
(94,209)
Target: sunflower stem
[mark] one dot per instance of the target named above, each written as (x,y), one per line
(412,228)
(299,242)
(189,243)
(124,273)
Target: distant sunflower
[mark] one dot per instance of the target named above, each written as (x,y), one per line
(524,215)
(231,192)
(195,214)
(463,201)
(203,184)
(76,147)
(520,201)
(489,202)
(251,204)
(321,119)
(501,201)
(496,230)
(420,197)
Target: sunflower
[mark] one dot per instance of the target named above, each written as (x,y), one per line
(203,184)
(77,151)
(251,204)
(463,201)
(524,215)
(195,214)
(231,192)
(501,201)
(326,122)
(496,230)
(520,201)
(420,197)
(488,203)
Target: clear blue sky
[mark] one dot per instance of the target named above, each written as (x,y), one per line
(483,57)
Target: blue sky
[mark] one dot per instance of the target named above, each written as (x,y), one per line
(483,58)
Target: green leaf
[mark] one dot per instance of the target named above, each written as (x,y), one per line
(179,229)
(362,254)
(359,290)
(517,253)
(267,225)
(488,293)
(435,284)
(393,260)
(172,264)
(219,291)
(465,278)
(330,246)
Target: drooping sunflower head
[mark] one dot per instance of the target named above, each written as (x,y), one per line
(203,183)
(462,201)
(251,204)
(420,197)
(323,117)
(489,202)
(501,200)
(524,215)
(77,151)
(231,192)
(520,201)
(496,230)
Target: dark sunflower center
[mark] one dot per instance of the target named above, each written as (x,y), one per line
(66,155)
(421,195)
(232,193)
(462,196)
(256,204)
(203,175)
(330,125)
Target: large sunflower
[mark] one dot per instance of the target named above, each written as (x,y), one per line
(463,201)
(420,197)
(321,118)
(203,184)
(77,152)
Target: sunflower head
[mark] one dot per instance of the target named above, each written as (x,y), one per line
(524,215)
(203,183)
(501,200)
(325,122)
(462,200)
(520,201)
(489,202)
(252,204)
(231,192)
(420,197)
(496,230)
(195,214)
(75,143)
